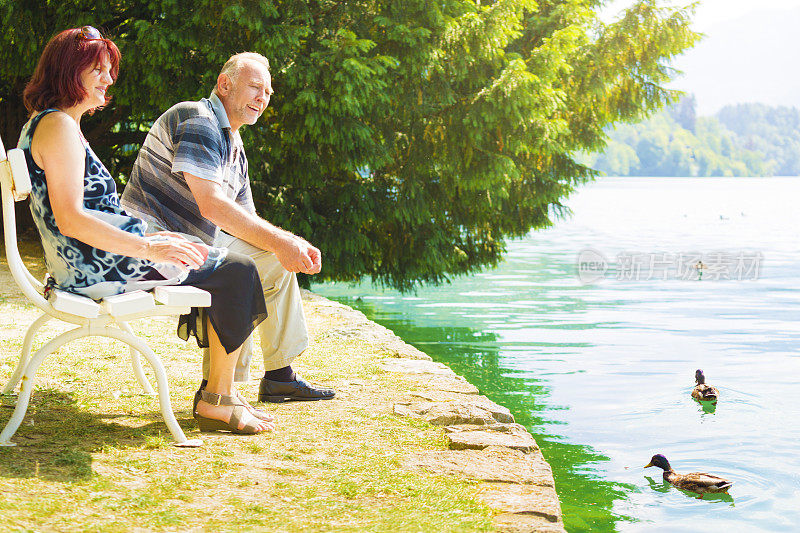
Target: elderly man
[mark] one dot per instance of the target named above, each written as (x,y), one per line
(191,177)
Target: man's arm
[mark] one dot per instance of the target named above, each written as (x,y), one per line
(294,253)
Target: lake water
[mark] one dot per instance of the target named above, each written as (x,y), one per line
(601,373)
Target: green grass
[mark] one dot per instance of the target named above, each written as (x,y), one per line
(94,455)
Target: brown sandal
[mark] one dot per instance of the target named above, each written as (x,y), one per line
(212,424)
(258,413)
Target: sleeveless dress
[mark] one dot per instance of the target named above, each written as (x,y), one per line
(237,299)
(75,266)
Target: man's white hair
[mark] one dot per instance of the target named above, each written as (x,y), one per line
(234,64)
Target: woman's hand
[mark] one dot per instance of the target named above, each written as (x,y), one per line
(176,251)
(201,248)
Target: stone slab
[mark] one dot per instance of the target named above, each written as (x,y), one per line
(455,384)
(449,413)
(375,334)
(521,523)
(494,463)
(478,437)
(513,429)
(520,500)
(444,414)
(355,325)
(441,396)
(500,413)
(417,366)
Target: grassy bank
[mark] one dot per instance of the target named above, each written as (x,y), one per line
(94,455)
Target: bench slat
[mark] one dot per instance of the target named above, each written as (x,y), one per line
(66,302)
(182,295)
(128,303)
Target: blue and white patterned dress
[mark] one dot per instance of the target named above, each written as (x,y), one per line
(74,265)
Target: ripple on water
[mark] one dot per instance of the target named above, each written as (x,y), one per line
(602,373)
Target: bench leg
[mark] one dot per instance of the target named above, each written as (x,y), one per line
(161,381)
(29,379)
(26,352)
(136,363)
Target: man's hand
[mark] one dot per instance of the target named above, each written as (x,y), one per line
(316,259)
(294,253)
(297,255)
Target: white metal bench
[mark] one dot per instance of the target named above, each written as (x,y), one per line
(107,318)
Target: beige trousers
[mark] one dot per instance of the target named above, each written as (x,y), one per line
(283,333)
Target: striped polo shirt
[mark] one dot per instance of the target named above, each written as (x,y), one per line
(193,137)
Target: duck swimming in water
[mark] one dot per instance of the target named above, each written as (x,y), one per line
(704,392)
(698,482)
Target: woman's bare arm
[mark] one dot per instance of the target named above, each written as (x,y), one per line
(56,147)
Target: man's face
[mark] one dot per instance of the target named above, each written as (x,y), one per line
(246,95)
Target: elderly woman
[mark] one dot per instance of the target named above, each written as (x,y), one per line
(92,247)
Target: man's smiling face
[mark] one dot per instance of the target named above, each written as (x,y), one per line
(246,95)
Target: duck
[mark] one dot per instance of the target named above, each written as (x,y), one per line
(699,266)
(704,392)
(698,482)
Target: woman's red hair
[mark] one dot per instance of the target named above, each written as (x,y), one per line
(56,82)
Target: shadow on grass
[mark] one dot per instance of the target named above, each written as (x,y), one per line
(56,439)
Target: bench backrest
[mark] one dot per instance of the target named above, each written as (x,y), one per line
(16,186)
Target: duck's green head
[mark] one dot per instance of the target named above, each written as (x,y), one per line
(659,461)
(699,377)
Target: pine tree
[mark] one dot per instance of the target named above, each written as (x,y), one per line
(408,139)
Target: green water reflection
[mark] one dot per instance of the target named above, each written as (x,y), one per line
(602,373)
(707,408)
(587,500)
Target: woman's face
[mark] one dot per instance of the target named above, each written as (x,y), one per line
(96,80)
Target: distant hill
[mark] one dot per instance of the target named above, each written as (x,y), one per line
(738,140)
(748,59)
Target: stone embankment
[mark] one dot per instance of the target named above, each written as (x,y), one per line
(484,442)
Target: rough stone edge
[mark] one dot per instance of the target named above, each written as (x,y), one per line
(506,519)
(358,325)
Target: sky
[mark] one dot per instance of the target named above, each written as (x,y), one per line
(750,52)
(712,12)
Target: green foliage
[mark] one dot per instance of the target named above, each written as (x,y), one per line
(740,140)
(771,132)
(407,139)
